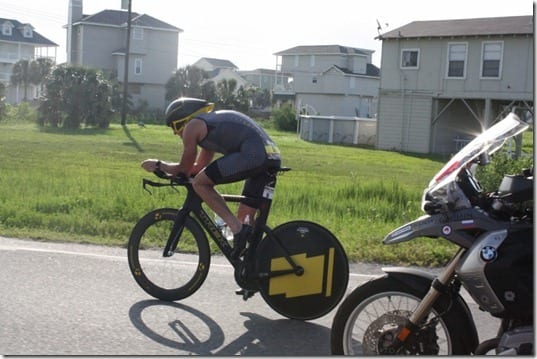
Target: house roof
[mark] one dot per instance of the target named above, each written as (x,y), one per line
(512,25)
(323,49)
(371,70)
(120,17)
(17,35)
(219,63)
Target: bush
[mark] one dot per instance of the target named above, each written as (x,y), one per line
(501,164)
(285,118)
(23,112)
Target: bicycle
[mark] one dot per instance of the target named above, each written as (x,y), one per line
(299,268)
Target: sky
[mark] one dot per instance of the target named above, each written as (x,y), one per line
(249,32)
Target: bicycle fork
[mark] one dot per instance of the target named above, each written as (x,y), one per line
(175,234)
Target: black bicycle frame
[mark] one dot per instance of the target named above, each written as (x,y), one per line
(193,204)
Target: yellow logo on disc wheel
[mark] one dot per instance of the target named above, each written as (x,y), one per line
(312,282)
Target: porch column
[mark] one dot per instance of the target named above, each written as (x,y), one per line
(488,113)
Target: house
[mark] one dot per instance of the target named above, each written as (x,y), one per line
(335,91)
(219,69)
(331,79)
(443,81)
(266,79)
(20,41)
(210,64)
(99,41)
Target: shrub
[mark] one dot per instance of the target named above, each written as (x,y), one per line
(285,118)
(502,163)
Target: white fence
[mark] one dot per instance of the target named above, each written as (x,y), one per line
(338,129)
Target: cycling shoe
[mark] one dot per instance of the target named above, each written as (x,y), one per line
(239,241)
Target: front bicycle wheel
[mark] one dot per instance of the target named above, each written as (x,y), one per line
(177,276)
(320,287)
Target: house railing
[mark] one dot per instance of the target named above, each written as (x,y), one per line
(9,57)
(338,129)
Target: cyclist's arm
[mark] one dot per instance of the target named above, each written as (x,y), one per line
(193,133)
(204,158)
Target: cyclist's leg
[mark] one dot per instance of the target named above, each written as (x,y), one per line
(255,187)
(204,187)
(232,167)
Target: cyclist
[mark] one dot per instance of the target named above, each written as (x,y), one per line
(247,154)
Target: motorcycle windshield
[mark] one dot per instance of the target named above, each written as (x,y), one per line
(489,141)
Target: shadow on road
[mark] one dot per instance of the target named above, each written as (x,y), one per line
(192,332)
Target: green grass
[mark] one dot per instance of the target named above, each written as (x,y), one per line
(85,186)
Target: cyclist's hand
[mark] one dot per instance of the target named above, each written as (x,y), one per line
(150,165)
(180,177)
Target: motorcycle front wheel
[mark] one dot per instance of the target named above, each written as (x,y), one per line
(368,320)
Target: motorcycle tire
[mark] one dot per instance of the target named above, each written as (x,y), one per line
(370,315)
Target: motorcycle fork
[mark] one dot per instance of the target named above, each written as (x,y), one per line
(438,287)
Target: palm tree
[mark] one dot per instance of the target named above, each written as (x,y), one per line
(21,76)
(39,70)
(30,72)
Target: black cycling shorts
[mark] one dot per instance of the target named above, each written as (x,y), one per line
(256,178)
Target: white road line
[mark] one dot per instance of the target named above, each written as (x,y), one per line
(4,247)
(123,258)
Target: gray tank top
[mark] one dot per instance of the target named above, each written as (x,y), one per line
(228,130)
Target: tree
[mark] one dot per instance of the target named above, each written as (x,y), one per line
(75,96)
(186,81)
(30,72)
(2,101)
(21,76)
(40,69)
(208,91)
(225,93)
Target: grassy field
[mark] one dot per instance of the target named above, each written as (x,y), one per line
(85,186)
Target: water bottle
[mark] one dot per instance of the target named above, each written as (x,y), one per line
(224,228)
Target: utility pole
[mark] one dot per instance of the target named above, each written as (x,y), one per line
(126,70)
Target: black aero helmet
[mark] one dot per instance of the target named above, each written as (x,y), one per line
(180,111)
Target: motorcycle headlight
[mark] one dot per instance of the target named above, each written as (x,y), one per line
(441,199)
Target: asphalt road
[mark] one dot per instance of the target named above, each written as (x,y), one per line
(72,299)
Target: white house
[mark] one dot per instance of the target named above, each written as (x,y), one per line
(20,41)
(220,69)
(444,81)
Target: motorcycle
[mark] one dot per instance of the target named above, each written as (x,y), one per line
(410,311)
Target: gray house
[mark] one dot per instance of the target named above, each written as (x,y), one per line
(443,81)
(20,41)
(99,41)
(332,79)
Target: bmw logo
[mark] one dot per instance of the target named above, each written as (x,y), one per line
(488,253)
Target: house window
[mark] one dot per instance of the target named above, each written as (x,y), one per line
(410,58)
(28,32)
(296,60)
(312,60)
(457,60)
(138,33)
(138,66)
(491,64)
(6,29)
